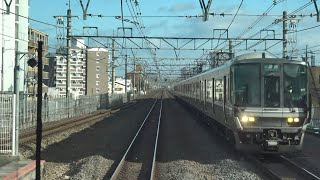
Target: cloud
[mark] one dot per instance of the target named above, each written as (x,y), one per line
(178,7)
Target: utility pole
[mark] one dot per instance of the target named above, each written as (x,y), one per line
(68,49)
(39,112)
(134,76)
(15,148)
(230,49)
(2,73)
(306,53)
(112,69)
(284,35)
(125,77)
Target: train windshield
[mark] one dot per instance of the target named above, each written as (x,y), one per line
(247,85)
(295,85)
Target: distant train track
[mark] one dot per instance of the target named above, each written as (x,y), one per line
(52,128)
(146,151)
(279,167)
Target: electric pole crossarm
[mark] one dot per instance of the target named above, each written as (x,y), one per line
(318,12)
(169,38)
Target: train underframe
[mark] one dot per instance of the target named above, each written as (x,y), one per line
(269,140)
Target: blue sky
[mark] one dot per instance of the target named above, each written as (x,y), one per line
(177,27)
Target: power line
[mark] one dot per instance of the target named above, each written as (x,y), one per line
(42,22)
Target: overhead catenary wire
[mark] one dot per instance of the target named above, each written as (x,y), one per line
(32,19)
(276,22)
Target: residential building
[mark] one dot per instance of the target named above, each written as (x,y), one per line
(14,44)
(119,86)
(88,70)
(137,78)
(32,72)
(58,72)
(97,71)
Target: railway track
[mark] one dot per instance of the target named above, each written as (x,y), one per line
(139,160)
(29,135)
(279,167)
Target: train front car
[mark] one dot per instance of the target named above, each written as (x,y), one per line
(270,104)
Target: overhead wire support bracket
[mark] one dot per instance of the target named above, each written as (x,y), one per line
(8,6)
(205,9)
(84,10)
(90,27)
(318,12)
(265,30)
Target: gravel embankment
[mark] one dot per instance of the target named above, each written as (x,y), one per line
(89,151)
(52,170)
(185,169)
(188,149)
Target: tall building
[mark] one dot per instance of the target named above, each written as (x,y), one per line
(14,44)
(137,78)
(97,67)
(32,73)
(88,71)
(58,71)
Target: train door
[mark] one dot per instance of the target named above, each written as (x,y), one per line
(205,93)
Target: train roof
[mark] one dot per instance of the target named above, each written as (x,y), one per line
(248,58)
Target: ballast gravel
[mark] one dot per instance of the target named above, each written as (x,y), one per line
(184,169)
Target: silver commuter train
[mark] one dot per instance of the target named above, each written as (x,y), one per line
(259,101)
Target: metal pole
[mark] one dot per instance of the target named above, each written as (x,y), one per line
(134,77)
(13,125)
(125,77)
(17,103)
(39,112)
(112,68)
(284,35)
(68,49)
(306,53)
(2,56)
(68,59)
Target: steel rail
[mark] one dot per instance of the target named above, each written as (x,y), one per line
(285,161)
(153,170)
(299,169)
(116,173)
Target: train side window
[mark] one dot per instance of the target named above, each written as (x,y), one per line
(209,90)
(205,91)
(219,90)
(213,87)
(201,90)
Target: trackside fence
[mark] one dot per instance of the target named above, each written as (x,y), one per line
(55,109)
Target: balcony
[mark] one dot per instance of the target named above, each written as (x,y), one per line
(34,89)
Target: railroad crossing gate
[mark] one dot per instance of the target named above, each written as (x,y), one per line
(6,123)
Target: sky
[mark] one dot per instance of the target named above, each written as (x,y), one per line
(179,26)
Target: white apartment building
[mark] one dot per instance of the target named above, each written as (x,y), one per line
(77,72)
(119,86)
(14,43)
